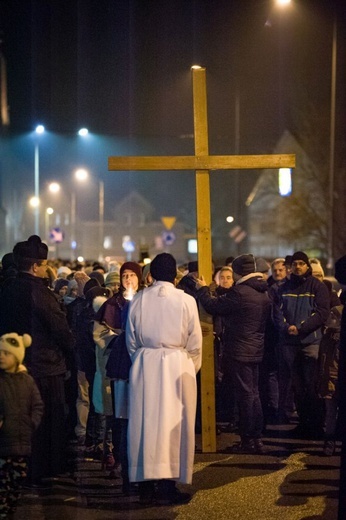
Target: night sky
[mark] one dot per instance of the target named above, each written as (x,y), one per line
(122,68)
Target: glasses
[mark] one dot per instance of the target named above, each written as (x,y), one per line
(299,263)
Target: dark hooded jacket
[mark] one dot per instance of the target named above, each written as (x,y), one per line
(21,410)
(245,309)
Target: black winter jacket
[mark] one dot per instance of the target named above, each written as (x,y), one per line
(28,306)
(21,410)
(245,308)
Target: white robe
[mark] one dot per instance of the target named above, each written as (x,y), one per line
(164,339)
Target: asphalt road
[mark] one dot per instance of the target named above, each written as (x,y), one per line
(292,481)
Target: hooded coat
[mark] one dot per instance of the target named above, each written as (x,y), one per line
(245,309)
(21,410)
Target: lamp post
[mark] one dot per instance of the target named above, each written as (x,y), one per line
(39,130)
(332,150)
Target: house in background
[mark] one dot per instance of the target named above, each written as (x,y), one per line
(132,235)
(279,225)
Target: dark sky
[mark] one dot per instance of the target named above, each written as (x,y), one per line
(122,68)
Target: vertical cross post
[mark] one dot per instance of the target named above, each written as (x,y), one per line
(204,258)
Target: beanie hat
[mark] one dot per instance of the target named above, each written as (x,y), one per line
(97,291)
(7,261)
(81,279)
(262,265)
(244,265)
(316,267)
(164,268)
(112,278)
(340,270)
(192,267)
(90,285)
(63,271)
(98,276)
(300,255)
(288,260)
(15,344)
(132,266)
(59,284)
(33,248)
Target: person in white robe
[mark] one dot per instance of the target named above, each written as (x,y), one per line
(164,340)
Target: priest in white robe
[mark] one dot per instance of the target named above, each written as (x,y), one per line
(164,339)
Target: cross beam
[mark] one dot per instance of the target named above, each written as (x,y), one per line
(202,162)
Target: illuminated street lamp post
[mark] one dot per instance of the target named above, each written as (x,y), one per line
(39,130)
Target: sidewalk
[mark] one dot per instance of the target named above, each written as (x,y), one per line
(292,481)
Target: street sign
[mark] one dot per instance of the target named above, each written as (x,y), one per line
(56,235)
(168,238)
(168,222)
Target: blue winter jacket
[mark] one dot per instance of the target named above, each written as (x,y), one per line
(302,301)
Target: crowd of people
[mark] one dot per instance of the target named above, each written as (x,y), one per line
(107,357)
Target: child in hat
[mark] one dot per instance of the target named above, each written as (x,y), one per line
(21,409)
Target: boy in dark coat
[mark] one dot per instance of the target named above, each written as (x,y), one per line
(21,409)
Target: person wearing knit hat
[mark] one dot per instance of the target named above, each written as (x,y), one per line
(147,279)
(262,266)
(300,309)
(245,309)
(300,256)
(60,287)
(130,277)
(98,276)
(113,281)
(164,339)
(109,324)
(27,305)
(244,265)
(81,278)
(164,268)
(21,410)
(15,345)
(317,269)
(63,271)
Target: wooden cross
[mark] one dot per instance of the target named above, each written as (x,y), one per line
(202,162)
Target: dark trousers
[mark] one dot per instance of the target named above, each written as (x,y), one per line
(298,368)
(49,441)
(247,395)
(304,378)
(13,472)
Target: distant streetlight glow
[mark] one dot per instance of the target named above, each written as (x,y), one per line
(39,129)
(54,187)
(50,211)
(81,174)
(230,219)
(83,132)
(196,67)
(34,202)
(283,2)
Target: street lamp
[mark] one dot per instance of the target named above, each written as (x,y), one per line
(39,130)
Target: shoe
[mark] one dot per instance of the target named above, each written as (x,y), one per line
(146,491)
(81,440)
(244,447)
(259,447)
(230,428)
(110,462)
(329,448)
(175,498)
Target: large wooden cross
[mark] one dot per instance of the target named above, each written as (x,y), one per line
(202,162)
